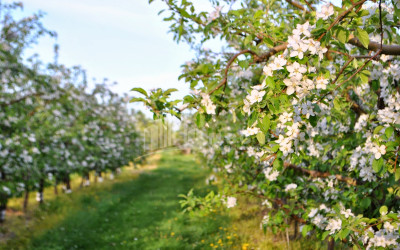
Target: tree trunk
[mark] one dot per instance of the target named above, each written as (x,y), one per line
(100,177)
(55,187)
(3,207)
(331,244)
(67,182)
(287,234)
(26,200)
(41,189)
(296,229)
(86,181)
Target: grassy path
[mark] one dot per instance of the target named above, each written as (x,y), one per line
(142,213)
(140,210)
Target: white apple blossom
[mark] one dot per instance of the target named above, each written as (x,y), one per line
(250,131)
(326,12)
(321,82)
(334,225)
(255,96)
(231,202)
(291,186)
(271,174)
(379,151)
(296,70)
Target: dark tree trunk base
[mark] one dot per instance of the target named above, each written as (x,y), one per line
(26,201)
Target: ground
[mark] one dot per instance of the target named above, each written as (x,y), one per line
(139,210)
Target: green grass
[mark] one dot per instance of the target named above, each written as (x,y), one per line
(140,210)
(139,213)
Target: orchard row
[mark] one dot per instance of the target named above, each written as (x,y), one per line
(52,122)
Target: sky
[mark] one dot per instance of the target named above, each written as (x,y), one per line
(122,40)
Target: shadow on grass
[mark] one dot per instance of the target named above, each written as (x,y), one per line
(138,214)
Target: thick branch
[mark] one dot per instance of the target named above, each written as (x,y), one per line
(374,46)
(264,57)
(314,173)
(5,104)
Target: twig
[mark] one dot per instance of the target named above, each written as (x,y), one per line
(223,82)
(342,69)
(297,5)
(351,77)
(340,17)
(309,5)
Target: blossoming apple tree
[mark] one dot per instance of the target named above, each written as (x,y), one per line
(51,124)
(304,99)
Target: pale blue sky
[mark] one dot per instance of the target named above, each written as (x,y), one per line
(122,40)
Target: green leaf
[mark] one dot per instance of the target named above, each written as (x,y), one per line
(393,216)
(370,234)
(258,14)
(306,229)
(344,233)
(313,120)
(261,138)
(365,202)
(169,91)
(397,174)
(278,164)
(270,82)
(248,40)
(265,125)
(336,103)
(200,120)
(377,165)
(324,235)
(378,129)
(140,90)
(343,35)
(383,210)
(137,100)
(362,35)
(269,42)
(389,131)
(275,148)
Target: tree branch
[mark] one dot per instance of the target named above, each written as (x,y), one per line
(5,104)
(297,5)
(374,46)
(314,173)
(228,65)
(340,17)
